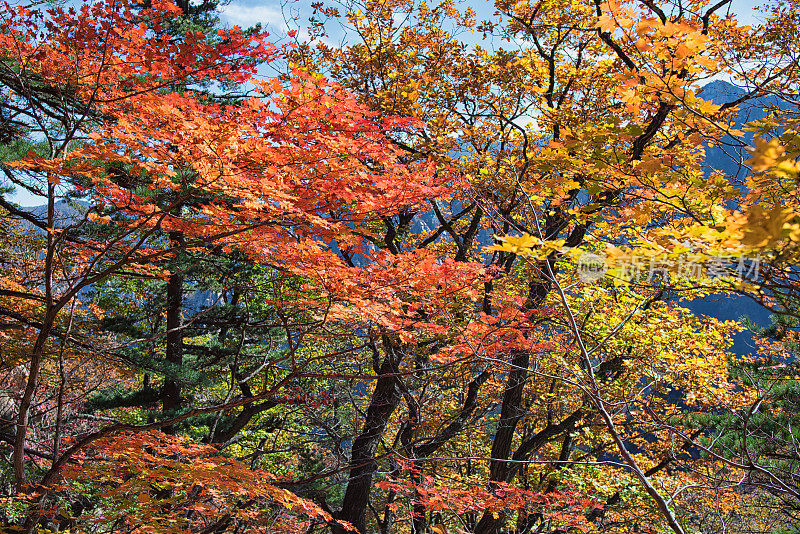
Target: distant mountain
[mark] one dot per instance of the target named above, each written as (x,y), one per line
(729,158)
(65,214)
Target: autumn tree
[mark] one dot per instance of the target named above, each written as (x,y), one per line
(584,126)
(408,245)
(758,220)
(102,95)
(206,296)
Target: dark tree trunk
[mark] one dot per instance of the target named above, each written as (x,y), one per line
(171,392)
(385,400)
(510,414)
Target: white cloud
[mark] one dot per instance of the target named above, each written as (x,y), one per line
(250,15)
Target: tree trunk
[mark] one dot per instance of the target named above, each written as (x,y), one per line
(171,392)
(385,399)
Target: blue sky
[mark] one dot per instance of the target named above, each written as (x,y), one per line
(273,15)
